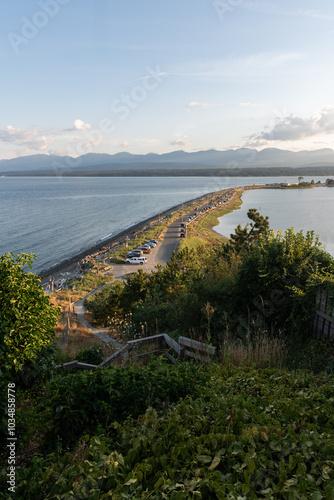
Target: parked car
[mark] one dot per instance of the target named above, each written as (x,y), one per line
(135,253)
(136,260)
(145,248)
(182,224)
(182,235)
(150,243)
(155,241)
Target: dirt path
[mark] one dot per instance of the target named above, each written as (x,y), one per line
(101,333)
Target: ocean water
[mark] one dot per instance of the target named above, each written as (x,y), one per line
(58,217)
(302,209)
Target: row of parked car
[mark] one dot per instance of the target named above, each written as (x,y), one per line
(208,206)
(136,255)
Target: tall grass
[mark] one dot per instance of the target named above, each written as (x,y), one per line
(263,350)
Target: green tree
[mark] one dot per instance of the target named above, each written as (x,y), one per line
(135,290)
(243,238)
(276,281)
(27,318)
(106,304)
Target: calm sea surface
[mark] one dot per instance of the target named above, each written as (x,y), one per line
(56,218)
(303,209)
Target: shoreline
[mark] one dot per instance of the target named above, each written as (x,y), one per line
(70,264)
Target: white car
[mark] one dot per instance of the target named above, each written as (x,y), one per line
(136,260)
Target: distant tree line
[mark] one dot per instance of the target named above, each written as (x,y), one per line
(180,171)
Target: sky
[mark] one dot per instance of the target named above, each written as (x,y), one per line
(153,76)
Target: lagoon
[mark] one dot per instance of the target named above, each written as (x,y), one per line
(303,209)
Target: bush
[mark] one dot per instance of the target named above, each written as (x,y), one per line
(27,317)
(83,401)
(41,368)
(92,355)
(315,354)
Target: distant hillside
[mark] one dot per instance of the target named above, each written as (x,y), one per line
(243,158)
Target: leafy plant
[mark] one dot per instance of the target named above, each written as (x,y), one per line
(252,434)
(92,355)
(83,401)
(27,318)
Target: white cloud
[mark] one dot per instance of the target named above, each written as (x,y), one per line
(70,141)
(124,144)
(181,142)
(81,125)
(29,139)
(295,128)
(199,105)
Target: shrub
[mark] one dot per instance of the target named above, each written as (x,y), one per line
(83,401)
(92,355)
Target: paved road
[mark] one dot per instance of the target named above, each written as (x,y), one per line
(160,254)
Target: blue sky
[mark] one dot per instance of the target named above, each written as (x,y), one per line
(147,76)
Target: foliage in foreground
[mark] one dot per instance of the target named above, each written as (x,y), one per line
(27,318)
(80,402)
(252,434)
(92,355)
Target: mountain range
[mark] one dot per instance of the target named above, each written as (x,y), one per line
(176,160)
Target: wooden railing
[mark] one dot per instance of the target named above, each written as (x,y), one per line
(323,322)
(197,350)
(147,347)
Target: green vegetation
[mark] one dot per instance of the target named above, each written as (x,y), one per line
(27,319)
(258,422)
(257,280)
(92,355)
(89,281)
(239,433)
